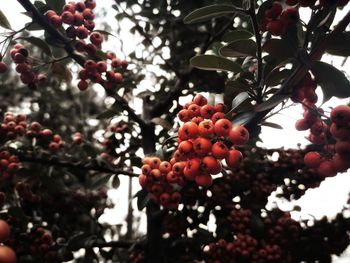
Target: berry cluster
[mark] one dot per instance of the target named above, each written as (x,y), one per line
(25,193)
(42,244)
(240,220)
(159,179)
(9,165)
(20,55)
(205,139)
(79,17)
(6,253)
(336,156)
(268,254)
(17,125)
(277,19)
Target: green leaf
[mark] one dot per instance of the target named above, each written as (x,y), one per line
(33,26)
(332,81)
(272,125)
(77,241)
(279,48)
(340,45)
(211,62)
(209,12)
(238,100)
(39,43)
(276,76)
(101,181)
(3,21)
(107,114)
(243,118)
(236,35)
(239,48)
(270,103)
(143,198)
(56,4)
(115,182)
(262,8)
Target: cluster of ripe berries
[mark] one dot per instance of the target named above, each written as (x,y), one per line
(17,125)
(336,157)
(204,140)
(20,56)
(311,3)
(24,191)
(6,253)
(9,165)
(79,18)
(277,19)
(42,244)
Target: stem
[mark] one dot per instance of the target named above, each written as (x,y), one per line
(257,35)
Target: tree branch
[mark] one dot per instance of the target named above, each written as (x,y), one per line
(78,165)
(254,22)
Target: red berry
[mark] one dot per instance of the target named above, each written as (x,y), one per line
(312,159)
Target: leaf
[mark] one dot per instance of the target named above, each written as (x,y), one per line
(3,21)
(15,212)
(236,35)
(115,182)
(162,122)
(272,125)
(143,198)
(33,26)
(56,4)
(107,114)
(39,43)
(262,8)
(238,100)
(276,76)
(243,118)
(340,45)
(270,103)
(104,32)
(211,62)
(279,48)
(239,48)
(332,81)
(101,181)
(209,12)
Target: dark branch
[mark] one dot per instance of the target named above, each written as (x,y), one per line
(77,165)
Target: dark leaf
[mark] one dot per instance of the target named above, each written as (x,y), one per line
(115,182)
(101,181)
(3,21)
(15,212)
(56,4)
(279,48)
(340,45)
(243,118)
(276,76)
(270,103)
(209,12)
(272,125)
(238,100)
(237,35)
(332,81)
(262,8)
(211,62)
(239,48)
(32,26)
(143,199)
